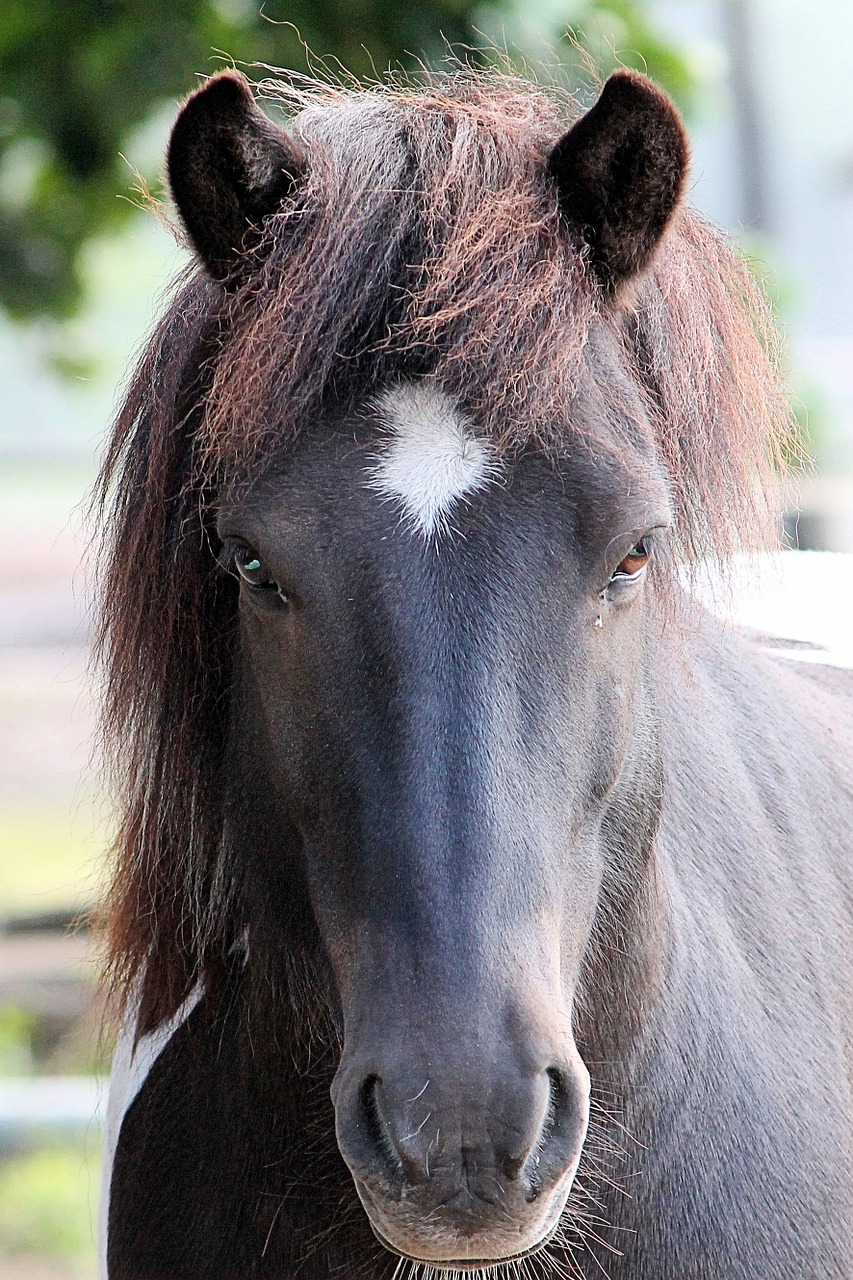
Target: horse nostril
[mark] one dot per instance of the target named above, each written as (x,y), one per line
(370,1109)
(377,1129)
(378,1133)
(558,1092)
(513,1166)
(529,1166)
(528,1143)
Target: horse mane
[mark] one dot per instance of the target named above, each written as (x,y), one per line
(426,242)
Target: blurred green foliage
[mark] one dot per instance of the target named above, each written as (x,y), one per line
(80,78)
(17,1033)
(39,1043)
(621,33)
(806,397)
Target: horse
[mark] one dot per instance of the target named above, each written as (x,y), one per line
(482,901)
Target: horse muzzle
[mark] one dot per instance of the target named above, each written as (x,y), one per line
(462,1170)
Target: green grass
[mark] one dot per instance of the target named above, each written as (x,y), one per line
(49,1193)
(48,1209)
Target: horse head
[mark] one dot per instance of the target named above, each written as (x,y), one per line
(441,723)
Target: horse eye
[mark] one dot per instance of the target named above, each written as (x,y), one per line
(635,561)
(253,571)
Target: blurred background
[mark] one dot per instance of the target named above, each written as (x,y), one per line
(88,89)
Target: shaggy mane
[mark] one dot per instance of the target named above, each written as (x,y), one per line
(426,242)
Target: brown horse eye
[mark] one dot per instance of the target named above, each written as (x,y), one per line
(635,561)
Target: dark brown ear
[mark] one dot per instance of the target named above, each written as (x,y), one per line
(229,168)
(619,174)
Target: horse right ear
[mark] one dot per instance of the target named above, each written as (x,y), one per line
(229,168)
(619,174)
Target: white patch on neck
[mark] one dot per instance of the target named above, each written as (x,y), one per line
(132,1063)
(431,458)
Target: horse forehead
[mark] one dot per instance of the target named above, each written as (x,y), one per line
(429,456)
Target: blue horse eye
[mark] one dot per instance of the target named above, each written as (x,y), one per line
(252,569)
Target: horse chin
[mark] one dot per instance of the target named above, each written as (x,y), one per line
(468,1264)
(485,1262)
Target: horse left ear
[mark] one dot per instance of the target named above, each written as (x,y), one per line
(619,174)
(229,168)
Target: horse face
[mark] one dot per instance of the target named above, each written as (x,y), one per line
(442,694)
